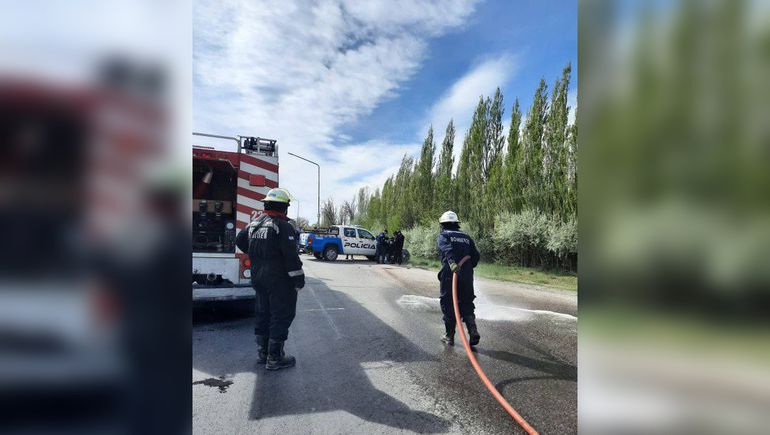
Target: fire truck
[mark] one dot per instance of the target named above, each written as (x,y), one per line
(228,189)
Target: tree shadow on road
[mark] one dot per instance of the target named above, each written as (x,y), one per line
(553,369)
(340,348)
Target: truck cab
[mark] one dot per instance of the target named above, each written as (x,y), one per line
(342,240)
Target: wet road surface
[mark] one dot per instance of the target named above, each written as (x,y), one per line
(369,360)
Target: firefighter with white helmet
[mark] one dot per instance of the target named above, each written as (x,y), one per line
(453,245)
(276,275)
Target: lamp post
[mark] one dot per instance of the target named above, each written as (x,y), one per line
(318,216)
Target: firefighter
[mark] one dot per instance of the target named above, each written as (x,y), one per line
(453,245)
(379,250)
(276,275)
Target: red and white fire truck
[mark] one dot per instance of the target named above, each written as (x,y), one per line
(228,188)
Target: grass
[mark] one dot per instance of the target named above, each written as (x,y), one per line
(560,280)
(678,331)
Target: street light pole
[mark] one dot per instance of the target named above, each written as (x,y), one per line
(318,215)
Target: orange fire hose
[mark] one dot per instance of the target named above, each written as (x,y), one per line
(499,397)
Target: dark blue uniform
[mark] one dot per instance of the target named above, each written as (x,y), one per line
(453,246)
(379,250)
(276,273)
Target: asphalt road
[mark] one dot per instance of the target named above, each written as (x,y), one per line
(369,360)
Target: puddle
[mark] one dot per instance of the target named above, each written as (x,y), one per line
(219,382)
(484,309)
(419,303)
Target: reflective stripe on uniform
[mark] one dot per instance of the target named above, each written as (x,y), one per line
(293,273)
(254,225)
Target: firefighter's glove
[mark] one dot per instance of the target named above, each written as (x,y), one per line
(299,281)
(454,267)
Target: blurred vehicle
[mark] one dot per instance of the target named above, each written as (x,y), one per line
(228,188)
(303,242)
(71,156)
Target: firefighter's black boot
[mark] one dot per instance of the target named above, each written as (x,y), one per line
(262,349)
(276,358)
(449,337)
(473,333)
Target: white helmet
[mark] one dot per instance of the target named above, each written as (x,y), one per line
(278,195)
(448,216)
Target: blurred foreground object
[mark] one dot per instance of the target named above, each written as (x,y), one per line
(675,216)
(91,262)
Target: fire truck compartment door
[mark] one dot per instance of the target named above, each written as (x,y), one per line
(224,264)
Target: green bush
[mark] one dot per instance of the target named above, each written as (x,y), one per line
(484,243)
(529,239)
(421,241)
(522,238)
(562,237)
(563,242)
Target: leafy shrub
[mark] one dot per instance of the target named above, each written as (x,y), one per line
(484,243)
(522,238)
(421,241)
(529,239)
(562,238)
(563,243)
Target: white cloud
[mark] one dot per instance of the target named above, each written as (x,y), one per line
(460,100)
(297,71)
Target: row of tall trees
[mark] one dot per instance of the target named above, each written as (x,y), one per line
(533,167)
(500,182)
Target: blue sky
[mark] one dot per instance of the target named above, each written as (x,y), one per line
(354,85)
(540,35)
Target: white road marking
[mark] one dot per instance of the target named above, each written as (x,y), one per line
(320,309)
(325,311)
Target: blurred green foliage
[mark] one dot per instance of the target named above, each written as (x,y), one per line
(675,152)
(674,216)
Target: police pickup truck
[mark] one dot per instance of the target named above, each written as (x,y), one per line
(341,240)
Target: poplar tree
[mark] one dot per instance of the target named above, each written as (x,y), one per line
(492,183)
(461,186)
(513,163)
(572,171)
(374,209)
(493,138)
(555,148)
(474,146)
(362,202)
(403,206)
(532,138)
(443,191)
(328,213)
(386,208)
(422,181)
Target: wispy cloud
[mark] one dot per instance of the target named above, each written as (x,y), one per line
(460,100)
(298,71)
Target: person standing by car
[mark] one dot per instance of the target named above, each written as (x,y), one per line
(398,247)
(276,275)
(380,249)
(453,245)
